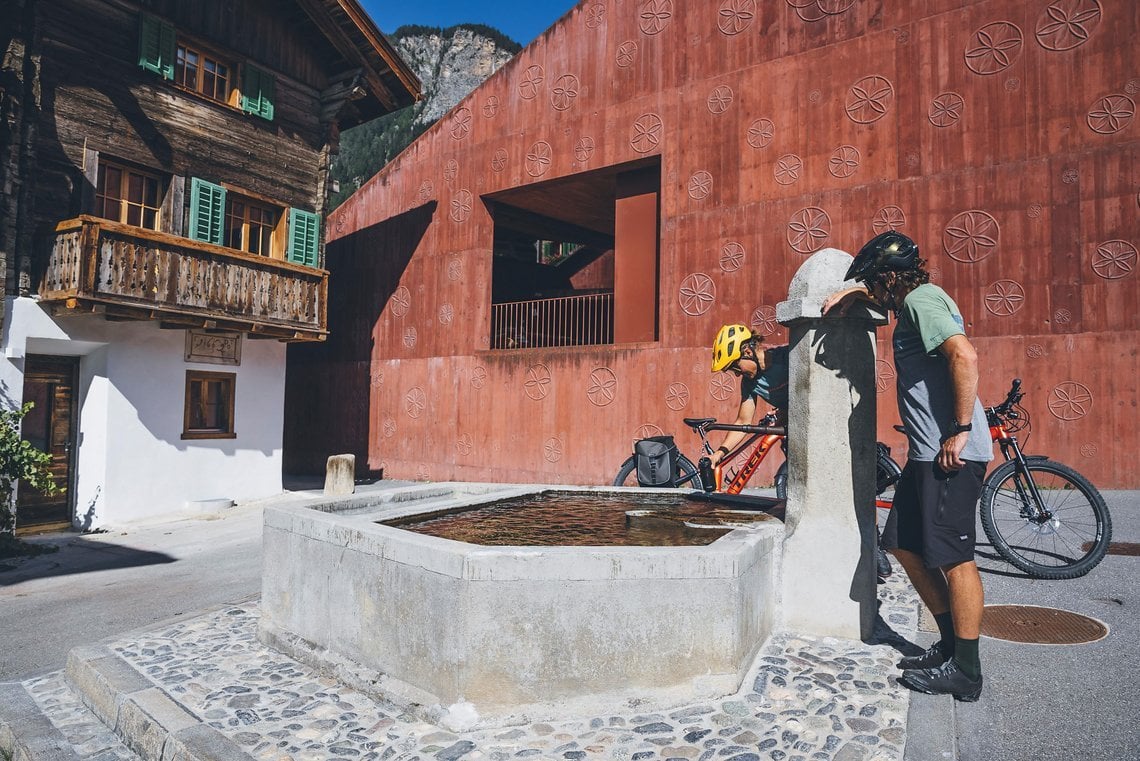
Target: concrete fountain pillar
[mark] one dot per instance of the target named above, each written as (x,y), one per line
(829,585)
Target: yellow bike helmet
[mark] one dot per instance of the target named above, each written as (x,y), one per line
(728,344)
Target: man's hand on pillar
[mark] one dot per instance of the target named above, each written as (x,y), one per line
(843,300)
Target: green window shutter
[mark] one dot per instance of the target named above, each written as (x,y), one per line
(156,46)
(259,89)
(207,211)
(304,235)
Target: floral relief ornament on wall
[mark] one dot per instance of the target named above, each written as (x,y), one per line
(1066,24)
(1111,114)
(645,135)
(971,236)
(654,15)
(595,15)
(994,48)
(537,383)
(808,229)
(761,132)
(602,386)
(735,16)
(697,294)
(869,99)
(731,257)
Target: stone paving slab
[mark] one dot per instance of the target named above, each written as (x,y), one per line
(76,733)
(806,698)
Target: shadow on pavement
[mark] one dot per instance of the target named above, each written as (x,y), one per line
(78,555)
(995,564)
(883,634)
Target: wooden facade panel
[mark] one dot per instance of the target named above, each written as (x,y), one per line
(269,31)
(1011,191)
(102,102)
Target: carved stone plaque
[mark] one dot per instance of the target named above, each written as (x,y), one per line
(213,348)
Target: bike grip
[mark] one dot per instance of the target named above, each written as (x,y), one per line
(1016,383)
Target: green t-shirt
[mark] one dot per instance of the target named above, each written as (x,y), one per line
(925,395)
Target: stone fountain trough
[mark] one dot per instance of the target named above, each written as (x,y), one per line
(484,635)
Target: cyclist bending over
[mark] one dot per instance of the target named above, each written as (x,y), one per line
(763,373)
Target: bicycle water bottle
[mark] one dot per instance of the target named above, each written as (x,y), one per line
(709,478)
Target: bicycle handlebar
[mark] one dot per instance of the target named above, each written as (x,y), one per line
(1012,398)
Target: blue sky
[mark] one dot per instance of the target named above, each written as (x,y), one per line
(521,20)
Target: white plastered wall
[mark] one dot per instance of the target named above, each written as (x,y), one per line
(132,463)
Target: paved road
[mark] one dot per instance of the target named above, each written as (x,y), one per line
(99,585)
(1042,703)
(1050,702)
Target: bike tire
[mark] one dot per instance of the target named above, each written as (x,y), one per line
(1054,549)
(627,474)
(887,473)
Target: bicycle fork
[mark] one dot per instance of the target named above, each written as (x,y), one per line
(1027,492)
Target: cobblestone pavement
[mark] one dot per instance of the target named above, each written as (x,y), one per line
(90,738)
(806,698)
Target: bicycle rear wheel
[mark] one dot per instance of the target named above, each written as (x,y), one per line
(1072,532)
(687,475)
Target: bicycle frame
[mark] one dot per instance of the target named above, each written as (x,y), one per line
(768,436)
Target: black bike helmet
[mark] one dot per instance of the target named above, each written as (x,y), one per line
(886,252)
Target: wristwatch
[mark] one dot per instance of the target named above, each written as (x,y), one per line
(961,427)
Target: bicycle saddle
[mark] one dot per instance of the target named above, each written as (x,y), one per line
(699,422)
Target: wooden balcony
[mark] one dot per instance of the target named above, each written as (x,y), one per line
(127,272)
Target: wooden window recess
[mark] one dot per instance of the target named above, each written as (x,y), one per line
(254,223)
(197,69)
(128,195)
(203,72)
(255,227)
(209,407)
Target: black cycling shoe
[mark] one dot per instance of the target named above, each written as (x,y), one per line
(883,566)
(947,679)
(931,659)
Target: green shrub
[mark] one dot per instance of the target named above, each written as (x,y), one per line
(19,461)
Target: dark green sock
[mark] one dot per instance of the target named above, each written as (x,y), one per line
(966,654)
(946,632)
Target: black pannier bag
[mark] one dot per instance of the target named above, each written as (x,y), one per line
(656,461)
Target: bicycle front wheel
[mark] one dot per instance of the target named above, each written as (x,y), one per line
(687,475)
(1062,537)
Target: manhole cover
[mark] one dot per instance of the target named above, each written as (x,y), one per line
(1041,626)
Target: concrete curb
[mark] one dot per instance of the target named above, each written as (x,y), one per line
(930,722)
(25,733)
(145,718)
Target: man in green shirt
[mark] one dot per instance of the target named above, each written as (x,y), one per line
(931,526)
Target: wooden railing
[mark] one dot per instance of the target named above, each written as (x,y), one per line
(135,273)
(565,321)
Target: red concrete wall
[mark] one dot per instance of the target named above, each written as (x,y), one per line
(1001,135)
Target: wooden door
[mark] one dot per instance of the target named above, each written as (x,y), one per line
(50,427)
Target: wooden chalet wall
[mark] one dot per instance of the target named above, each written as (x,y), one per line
(99,99)
(1000,134)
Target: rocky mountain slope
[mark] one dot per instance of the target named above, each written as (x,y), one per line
(450,63)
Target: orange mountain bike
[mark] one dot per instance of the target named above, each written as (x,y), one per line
(1041,516)
(1045,518)
(763,438)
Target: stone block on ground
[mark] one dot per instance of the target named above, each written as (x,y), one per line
(340,475)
